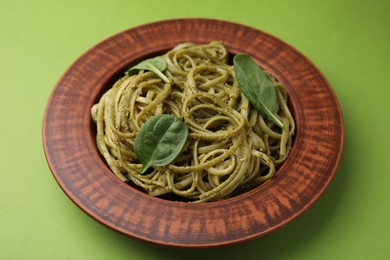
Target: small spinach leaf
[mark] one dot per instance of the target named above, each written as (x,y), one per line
(255,85)
(160,140)
(156,65)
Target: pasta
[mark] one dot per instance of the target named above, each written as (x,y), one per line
(230,147)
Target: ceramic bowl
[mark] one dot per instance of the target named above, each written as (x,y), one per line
(72,155)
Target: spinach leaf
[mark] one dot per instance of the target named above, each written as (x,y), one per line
(160,140)
(255,85)
(156,65)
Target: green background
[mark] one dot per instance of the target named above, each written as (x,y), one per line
(347,40)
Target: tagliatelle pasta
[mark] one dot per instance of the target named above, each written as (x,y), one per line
(230,147)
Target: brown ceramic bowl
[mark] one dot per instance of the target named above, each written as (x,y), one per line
(69,140)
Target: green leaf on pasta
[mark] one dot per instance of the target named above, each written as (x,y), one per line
(157,65)
(160,140)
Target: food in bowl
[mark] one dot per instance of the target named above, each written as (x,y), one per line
(191,124)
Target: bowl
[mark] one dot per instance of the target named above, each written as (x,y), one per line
(72,155)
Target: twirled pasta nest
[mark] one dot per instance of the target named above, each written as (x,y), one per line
(230,147)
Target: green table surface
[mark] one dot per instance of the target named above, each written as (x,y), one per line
(347,40)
